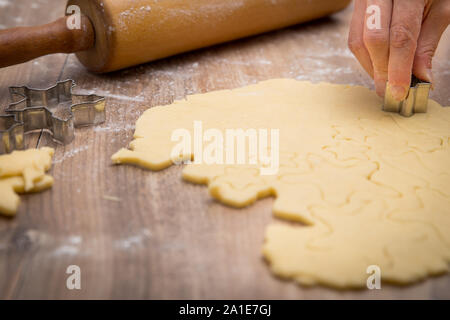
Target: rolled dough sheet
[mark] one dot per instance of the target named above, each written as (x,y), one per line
(359,186)
(23,172)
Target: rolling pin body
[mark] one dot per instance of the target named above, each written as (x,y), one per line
(131,32)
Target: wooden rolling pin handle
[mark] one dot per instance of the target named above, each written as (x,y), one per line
(23,44)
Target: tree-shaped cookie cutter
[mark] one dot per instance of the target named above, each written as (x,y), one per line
(56,110)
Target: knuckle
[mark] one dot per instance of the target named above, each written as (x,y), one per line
(446,12)
(426,51)
(425,55)
(355,45)
(375,38)
(401,37)
(381,70)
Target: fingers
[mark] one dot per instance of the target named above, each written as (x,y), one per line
(403,40)
(376,40)
(405,29)
(436,21)
(355,38)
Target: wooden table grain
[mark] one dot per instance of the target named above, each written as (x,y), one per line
(137,234)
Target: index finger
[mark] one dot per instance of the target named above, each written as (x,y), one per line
(405,29)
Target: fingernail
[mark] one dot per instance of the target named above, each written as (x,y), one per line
(430,78)
(429,75)
(380,85)
(381,91)
(397,92)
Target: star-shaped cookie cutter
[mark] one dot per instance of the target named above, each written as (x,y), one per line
(415,102)
(56,110)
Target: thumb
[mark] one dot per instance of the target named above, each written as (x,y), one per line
(433,27)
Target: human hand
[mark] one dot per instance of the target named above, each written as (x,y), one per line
(404,41)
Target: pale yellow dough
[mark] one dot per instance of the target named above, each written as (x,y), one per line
(23,172)
(368,187)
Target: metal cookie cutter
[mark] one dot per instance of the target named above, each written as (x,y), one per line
(415,102)
(55,110)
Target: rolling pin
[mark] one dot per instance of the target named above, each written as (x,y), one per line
(116,34)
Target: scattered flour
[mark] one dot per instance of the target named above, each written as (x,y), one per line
(4,3)
(134,241)
(65,250)
(115,128)
(138,98)
(71,154)
(70,247)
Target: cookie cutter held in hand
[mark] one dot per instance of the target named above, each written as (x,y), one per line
(55,110)
(415,102)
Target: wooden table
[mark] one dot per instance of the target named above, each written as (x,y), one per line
(141,234)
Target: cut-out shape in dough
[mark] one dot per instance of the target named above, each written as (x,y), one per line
(23,172)
(368,187)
